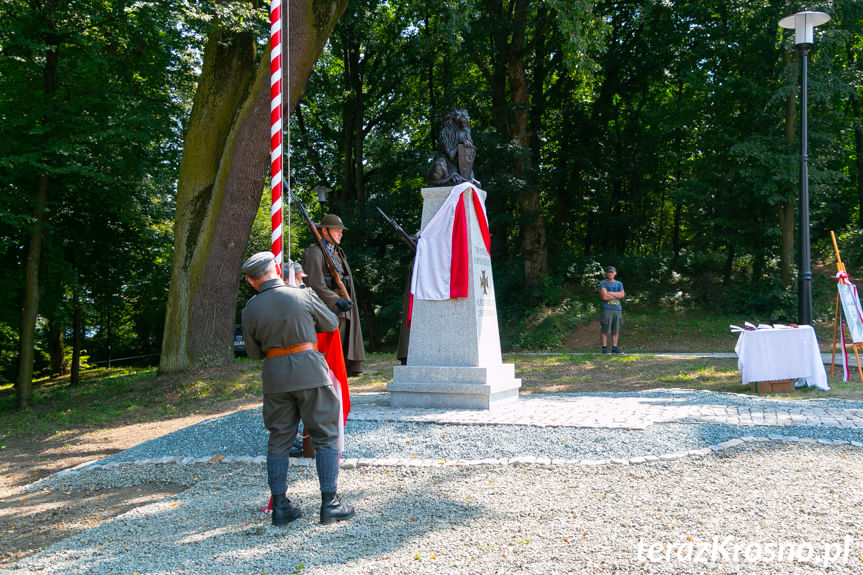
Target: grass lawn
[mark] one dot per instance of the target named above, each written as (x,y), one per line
(116,397)
(119,396)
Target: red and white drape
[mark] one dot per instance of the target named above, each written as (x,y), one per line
(442,258)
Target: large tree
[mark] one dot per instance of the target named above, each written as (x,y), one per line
(223,171)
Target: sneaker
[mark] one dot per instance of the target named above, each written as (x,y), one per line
(615,350)
(605,350)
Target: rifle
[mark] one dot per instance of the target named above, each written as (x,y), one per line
(328,257)
(399,229)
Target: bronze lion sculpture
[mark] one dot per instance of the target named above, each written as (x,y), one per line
(456,152)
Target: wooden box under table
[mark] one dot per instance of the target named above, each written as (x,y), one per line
(775,386)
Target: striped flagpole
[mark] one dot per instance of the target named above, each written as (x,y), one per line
(276,106)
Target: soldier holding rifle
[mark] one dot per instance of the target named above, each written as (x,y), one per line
(404,327)
(330,276)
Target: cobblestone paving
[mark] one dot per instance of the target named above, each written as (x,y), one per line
(613,412)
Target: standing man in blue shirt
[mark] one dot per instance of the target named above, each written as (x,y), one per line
(611,315)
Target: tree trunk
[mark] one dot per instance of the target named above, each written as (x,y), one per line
(676,243)
(222,173)
(509,39)
(729,266)
(27,339)
(56,348)
(353,136)
(858,153)
(75,374)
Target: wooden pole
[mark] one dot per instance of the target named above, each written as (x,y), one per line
(840,267)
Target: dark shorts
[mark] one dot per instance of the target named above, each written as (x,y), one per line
(610,320)
(319,410)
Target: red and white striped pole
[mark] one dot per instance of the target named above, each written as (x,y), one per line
(276,106)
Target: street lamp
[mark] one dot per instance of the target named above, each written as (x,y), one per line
(803,24)
(321,192)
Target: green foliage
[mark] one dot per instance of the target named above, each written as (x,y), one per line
(547,327)
(850,246)
(656,143)
(8,353)
(93,100)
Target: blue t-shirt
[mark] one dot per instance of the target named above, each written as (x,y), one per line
(611,286)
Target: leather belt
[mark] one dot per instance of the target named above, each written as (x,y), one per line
(280,351)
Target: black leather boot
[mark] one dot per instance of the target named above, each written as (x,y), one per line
(284,511)
(332,509)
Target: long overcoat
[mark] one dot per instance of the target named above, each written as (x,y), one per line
(320,280)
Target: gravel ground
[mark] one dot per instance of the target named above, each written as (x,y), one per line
(243,434)
(733,511)
(787,504)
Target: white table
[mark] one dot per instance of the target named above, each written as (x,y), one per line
(771,354)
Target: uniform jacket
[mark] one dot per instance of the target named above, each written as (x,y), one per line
(319,279)
(282,316)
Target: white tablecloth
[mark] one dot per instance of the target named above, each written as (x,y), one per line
(771,354)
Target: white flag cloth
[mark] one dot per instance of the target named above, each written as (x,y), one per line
(440,268)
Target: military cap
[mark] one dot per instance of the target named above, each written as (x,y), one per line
(610,269)
(332,221)
(257,264)
(298,269)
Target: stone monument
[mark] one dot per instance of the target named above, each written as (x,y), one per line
(454,358)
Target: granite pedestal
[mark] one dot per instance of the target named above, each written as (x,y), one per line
(454,357)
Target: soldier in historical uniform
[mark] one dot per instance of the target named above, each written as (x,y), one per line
(322,282)
(281,324)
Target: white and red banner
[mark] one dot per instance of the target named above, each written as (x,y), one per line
(853,317)
(443,254)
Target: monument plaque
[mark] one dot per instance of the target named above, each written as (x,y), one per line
(454,358)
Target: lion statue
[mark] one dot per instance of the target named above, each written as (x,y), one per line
(449,169)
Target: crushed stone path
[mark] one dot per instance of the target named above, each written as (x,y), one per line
(729,481)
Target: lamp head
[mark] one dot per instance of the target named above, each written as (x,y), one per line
(321,191)
(803,24)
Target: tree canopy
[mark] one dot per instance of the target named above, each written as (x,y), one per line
(658,136)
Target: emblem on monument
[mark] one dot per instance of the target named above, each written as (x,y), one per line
(466,156)
(456,152)
(483,282)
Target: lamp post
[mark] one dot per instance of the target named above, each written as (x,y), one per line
(803,24)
